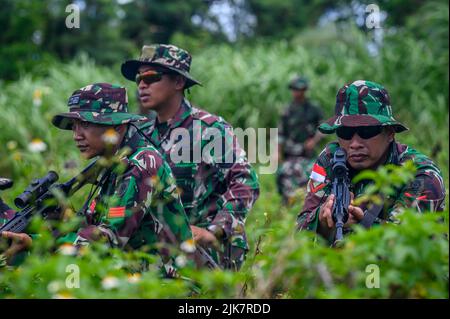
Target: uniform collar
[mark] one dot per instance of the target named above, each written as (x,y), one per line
(393,155)
(182,114)
(133,140)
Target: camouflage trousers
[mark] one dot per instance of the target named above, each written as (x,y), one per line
(292,175)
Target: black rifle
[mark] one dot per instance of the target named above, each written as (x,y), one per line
(341,191)
(206,259)
(40,196)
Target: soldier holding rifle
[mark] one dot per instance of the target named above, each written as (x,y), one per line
(365,128)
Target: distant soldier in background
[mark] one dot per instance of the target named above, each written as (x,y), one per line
(298,138)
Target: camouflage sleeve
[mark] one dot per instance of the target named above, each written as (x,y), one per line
(144,183)
(168,210)
(6,212)
(318,188)
(319,115)
(426,194)
(282,129)
(241,188)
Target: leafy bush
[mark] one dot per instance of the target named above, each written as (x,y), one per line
(248,87)
(411,260)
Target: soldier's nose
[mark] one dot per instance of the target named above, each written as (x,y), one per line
(356,142)
(77,133)
(142,85)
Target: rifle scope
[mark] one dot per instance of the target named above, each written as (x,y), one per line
(339,167)
(36,189)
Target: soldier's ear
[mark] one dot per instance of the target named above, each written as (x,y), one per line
(180,81)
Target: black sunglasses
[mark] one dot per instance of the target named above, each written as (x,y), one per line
(365,132)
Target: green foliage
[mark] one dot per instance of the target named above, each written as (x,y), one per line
(386,181)
(35,32)
(412,260)
(247,85)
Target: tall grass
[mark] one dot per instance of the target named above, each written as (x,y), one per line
(248,87)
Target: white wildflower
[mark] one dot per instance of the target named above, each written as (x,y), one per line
(181,261)
(37,97)
(68,250)
(110,282)
(37,146)
(188,246)
(110,137)
(133,278)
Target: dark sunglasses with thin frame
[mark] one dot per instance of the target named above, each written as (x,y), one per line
(365,132)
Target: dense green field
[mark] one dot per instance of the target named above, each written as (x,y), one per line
(247,86)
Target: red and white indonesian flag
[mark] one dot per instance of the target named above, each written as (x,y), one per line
(318,173)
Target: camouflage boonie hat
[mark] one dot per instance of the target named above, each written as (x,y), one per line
(100,103)
(298,83)
(164,55)
(362,103)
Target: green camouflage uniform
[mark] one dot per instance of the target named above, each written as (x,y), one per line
(217,189)
(137,205)
(298,123)
(365,103)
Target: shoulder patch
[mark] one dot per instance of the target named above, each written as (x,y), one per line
(318,173)
(147,158)
(74,100)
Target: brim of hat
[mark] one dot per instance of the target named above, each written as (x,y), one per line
(330,126)
(299,87)
(65,120)
(130,68)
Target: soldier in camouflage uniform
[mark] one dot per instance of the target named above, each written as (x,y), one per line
(297,136)
(366,128)
(218,187)
(137,205)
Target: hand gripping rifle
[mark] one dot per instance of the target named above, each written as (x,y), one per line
(40,196)
(341,191)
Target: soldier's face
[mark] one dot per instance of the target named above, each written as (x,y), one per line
(365,153)
(298,95)
(89,138)
(155,96)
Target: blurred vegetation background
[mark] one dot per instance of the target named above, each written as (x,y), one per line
(244,53)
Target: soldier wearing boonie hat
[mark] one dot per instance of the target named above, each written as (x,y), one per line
(166,56)
(99,103)
(365,128)
(135,208)
(297,137)
(217,195)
